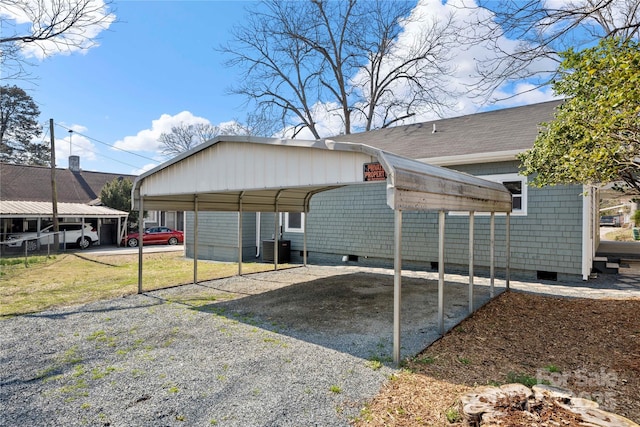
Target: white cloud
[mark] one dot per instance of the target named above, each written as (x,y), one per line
(27,16)
(328,119)
(147,139)
(144,169)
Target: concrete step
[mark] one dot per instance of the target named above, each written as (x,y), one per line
(605,266)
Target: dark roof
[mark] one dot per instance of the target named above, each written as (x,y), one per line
(33,183)
(495,131)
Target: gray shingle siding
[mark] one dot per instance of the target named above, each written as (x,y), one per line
(218,236)
(356,220)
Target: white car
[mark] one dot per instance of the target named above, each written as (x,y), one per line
(70,233)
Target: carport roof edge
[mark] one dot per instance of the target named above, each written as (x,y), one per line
(232,173)
(29,209)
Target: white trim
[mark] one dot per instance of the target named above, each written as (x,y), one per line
(288,229)
(589,212)
(475,158)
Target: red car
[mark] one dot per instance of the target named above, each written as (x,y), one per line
(155,236)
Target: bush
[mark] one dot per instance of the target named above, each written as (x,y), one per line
(636,218)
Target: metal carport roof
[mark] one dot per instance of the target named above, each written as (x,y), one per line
(276,175)
(264,170)
(25,209)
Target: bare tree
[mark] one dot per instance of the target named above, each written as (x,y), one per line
(52,26)
(186,136)
(542,33)
(298,58)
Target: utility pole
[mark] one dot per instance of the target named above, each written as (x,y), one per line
(54,191)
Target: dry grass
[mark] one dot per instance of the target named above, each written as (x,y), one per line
(76,278)
(591,347)
(620,235)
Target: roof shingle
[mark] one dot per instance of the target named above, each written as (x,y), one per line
(510,129)
(33,183)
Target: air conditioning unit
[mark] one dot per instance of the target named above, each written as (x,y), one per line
(284,251)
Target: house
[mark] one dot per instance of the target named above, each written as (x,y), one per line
(26,206)
(26,201)
(553,230)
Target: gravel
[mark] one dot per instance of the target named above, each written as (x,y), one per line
(287,348)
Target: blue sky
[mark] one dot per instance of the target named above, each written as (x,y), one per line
(155,67)
(158,58)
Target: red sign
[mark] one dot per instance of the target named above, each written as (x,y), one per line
(374,172)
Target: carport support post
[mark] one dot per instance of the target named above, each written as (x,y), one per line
(119,234)
(195,239)
(140,239)
(276,238)
(304,239)
(441,224)
(304,236)
(276,234)
(397,283)
(240,234)
(82,231)
(508,238)
(492,250)
(471,258)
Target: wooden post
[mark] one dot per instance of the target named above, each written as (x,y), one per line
(54,190)
(140,239)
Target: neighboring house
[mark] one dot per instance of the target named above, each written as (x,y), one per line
(553,229)
(26,205)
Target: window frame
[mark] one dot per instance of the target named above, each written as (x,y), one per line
(289,229)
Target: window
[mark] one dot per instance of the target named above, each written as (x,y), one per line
(151,216)
(294,222)
(517,185)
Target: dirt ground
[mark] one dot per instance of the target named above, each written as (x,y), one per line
(591,347)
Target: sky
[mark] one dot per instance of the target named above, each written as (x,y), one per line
(157,66)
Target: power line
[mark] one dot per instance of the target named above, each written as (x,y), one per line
(107,157)
(109,145)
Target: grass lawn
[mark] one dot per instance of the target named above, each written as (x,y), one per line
(69,279)
(621,235)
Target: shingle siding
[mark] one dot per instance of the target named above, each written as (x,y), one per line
(218,236)
(356,220)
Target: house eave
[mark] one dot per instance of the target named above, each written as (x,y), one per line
(474,158)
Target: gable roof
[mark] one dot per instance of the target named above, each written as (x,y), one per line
(489,136)
(33,183)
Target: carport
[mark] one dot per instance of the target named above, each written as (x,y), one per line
(249,174)
(10,209)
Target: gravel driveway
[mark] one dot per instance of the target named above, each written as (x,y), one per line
(297,347)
